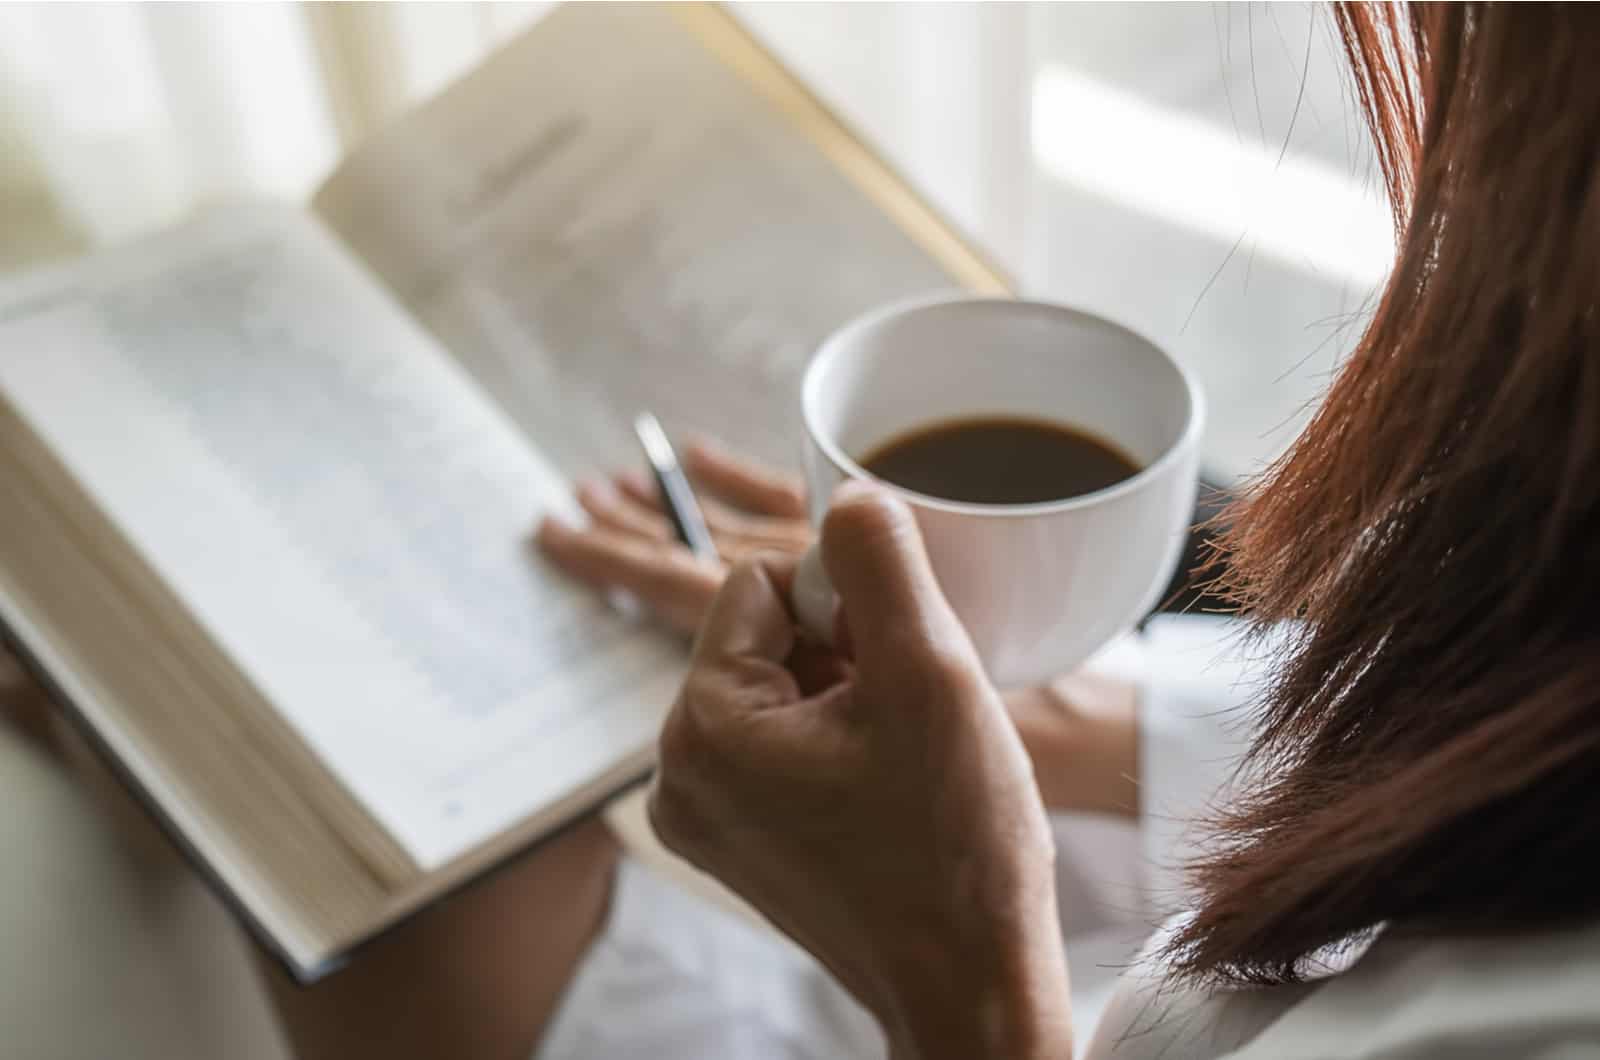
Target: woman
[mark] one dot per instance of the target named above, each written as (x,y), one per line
(1425,769)
(1398,871)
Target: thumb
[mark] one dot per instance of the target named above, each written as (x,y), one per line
(749,617)
(892,603)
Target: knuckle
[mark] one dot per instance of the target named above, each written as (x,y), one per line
(737,524)
(664,811)
(949,669)
(718,519)
(764,555)
(746,572)
(678,747)
(745,576)
(691,743)
(787,497)
(658,580)
(678,817)
(795,538)
(935,655)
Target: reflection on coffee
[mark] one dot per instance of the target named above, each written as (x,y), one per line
(999,460)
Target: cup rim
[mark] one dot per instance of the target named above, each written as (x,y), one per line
(1187,438)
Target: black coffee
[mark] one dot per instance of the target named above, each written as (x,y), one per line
(999,460)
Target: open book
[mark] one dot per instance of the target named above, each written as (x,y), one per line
(268,480)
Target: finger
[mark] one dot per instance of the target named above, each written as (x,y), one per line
(741,702)
(737,533)
(892,603)
(611,508)
(640,487)
(720,519)
(744,482)
(670,581)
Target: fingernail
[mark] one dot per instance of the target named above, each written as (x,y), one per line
(636,480)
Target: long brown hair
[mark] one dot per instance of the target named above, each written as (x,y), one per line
(1430,748)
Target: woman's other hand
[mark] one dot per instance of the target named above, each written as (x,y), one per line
(630,545)
(1082,732)
(881,809)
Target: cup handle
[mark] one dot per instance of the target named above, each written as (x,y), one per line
(816,605)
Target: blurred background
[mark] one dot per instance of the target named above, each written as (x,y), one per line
(1196,171)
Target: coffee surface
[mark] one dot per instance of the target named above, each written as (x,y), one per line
(999,460)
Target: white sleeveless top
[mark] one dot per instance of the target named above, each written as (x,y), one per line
(1528,997)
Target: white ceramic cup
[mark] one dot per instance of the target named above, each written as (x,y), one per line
(1039,587)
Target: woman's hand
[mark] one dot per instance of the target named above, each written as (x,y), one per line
(881,809)
(1081,731)
(630,545)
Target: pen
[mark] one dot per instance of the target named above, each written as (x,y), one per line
(677,498)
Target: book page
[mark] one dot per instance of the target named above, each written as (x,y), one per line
(606,217)
(344,510)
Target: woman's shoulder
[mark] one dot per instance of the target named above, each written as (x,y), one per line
(1530,995)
